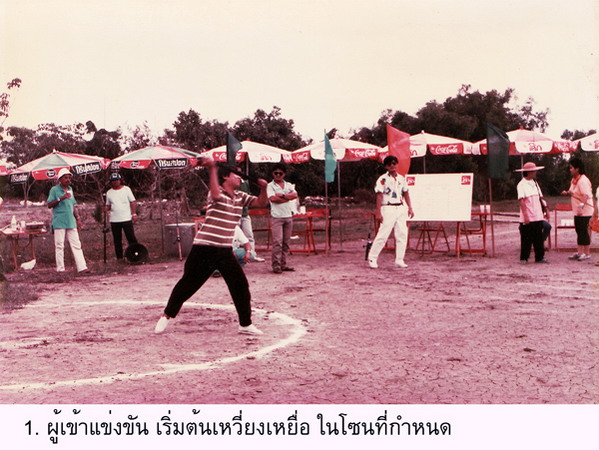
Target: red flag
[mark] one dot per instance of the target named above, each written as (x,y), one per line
(398,143)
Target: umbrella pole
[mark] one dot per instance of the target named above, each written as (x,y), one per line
(161,210)
(339,205)
(491,212)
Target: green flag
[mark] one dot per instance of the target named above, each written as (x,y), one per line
(330,162)
(498,149)
(233,146)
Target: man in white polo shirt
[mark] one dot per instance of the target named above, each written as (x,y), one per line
(393,208)
(282,196)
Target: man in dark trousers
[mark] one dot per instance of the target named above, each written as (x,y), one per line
(121,205)
(213,248)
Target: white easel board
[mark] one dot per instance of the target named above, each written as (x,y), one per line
(441,197)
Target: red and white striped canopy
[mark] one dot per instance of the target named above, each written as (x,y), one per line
(257,153)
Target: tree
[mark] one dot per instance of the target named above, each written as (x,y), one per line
(192,133)
(5,103)
(270,129)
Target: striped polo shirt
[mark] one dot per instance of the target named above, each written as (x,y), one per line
(221,218)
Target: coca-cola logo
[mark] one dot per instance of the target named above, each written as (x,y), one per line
(411,181)
(466,180)
(301,157)
(446,149)
(51,173)
(364,153)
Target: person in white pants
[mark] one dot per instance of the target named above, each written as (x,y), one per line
(64,221)
(393,208)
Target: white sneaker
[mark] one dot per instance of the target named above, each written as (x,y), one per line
(584,257)
(161,325)
(258,259)
(250,329)
(575,256)
(401,264)
(373,264)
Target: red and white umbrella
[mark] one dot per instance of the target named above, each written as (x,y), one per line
(528,142)
(436,145)
(344,150)
(254,151)
(162,156)
(48,166)
(589,143)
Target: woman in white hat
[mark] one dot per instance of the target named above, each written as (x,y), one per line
(65,219)
(531,214)
(581,197)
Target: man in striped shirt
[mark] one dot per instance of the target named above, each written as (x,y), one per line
(213,248)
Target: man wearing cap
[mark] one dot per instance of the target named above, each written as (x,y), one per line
(65,221)
(121,205)
(531,214)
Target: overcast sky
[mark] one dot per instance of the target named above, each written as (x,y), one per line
(326,64)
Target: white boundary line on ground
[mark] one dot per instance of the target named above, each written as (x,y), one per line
(298,331)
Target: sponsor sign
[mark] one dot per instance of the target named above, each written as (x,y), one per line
(51,173)
(441,197)
(171,163)
(301,157)
(446,149)
(19,177)
(534,147)
(361,153)
(84,169)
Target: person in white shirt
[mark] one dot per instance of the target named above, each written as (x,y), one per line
(531,214)
(393,208)
(282,197)
(121,204)
(242,247)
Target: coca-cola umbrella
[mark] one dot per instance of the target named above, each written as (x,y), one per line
(345,150)
(161,157)
(253,152)
(436,145)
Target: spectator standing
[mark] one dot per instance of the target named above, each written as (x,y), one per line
(282,196)
(66,222)
(121,205)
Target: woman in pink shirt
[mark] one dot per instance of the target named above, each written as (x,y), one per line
(581,196)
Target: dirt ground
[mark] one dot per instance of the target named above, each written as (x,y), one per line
(449,330)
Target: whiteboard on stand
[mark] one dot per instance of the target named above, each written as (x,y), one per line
(441,197)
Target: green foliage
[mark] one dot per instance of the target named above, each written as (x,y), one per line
(192,133)
(270,129)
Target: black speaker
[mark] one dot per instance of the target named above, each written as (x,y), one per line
(136,254)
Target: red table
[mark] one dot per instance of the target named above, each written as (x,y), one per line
(479,230)
(14,236)
(309,229)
